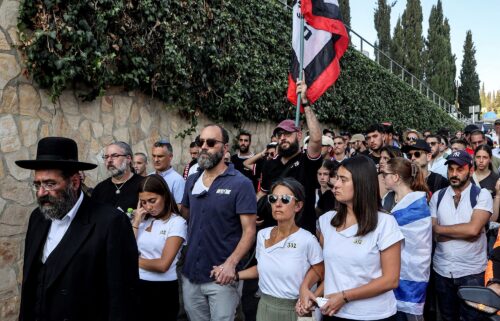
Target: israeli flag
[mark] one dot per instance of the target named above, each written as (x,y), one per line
(414,219)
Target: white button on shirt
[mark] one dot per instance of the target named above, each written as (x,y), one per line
(58,228)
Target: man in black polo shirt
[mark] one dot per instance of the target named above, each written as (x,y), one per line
(293,162)
(244,153)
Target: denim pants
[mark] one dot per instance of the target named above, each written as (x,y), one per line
(451,307)
(210,301)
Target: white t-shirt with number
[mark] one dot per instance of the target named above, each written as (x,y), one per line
(283,266)
(151,244)
(353,261)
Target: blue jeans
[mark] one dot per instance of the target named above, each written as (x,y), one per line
(451,307)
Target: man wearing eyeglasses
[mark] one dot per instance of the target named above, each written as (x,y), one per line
(220,204)
(80,257)
(121,189)
(419,152)
(437,162)
(162,155)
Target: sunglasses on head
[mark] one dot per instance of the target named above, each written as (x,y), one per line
(417,154)
(285,199)
(210,142)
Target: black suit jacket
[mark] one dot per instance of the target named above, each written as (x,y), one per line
(92,274)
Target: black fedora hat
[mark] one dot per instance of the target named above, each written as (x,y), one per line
(56,153)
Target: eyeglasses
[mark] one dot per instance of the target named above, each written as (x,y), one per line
(283,132)
(210,142)
(417,154)
(411,139)
(112,156)
(48,186)
(285,199)
(433,143)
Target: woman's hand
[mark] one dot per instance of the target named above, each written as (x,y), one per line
(335,302)
(305,303)
(139,214)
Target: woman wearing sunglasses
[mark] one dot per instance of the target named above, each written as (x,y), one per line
(410,136)
(284,254)
(410,194)
(160,232)
(361,248)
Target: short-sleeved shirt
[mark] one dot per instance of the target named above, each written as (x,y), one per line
(151,244)
(214,227)
(489,183)
(175,182)
(352,261)
(459,258)
(105,192)
(436,182)
(304,170)
(439,166)
(237,161)
(283,266)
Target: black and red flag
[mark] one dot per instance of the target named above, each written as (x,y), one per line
(325,41)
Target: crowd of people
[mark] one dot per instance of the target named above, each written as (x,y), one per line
(377,225)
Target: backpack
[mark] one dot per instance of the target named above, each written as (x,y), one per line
(474,194)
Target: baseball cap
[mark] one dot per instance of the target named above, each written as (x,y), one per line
(497,122)
(287,125)
(459,157)
(470,128)
(326,141)
(418,144)
(357,137)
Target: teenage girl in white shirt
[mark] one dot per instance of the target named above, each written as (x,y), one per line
(361,248)
(160,232)
(284,254)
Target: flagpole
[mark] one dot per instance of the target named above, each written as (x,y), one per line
(301,64)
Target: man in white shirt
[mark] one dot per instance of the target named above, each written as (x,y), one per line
(459,214)
(437,163)
(74,246)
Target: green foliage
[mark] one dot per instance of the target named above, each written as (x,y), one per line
(228,59)
(413,45)
(345,11)
(382,20)
(440,62)
(468,91)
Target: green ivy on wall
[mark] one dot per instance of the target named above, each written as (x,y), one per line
(226,58)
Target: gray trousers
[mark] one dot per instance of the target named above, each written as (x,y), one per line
(210,301)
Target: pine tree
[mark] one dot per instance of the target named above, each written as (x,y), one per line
(440,66)
(382,20)
(468,91)
(397,46)
(413,40)
(483,96)
(345,12)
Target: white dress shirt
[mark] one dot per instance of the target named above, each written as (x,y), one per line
(58,228)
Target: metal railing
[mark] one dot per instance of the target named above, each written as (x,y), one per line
(404,74)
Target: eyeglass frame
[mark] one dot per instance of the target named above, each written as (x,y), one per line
(211,142)
(113,156)
(280,198)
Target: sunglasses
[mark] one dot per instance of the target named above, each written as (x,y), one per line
(433,143)
(417,154)
(210,142)
(411,139)
(285,199)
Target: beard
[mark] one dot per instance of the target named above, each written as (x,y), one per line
(209,161)
(59,205)
(244,149)
(292,149)
(118,171)
(460,182)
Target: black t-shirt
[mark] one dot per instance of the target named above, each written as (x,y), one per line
(374,158)
(326,202)
(304,170)
(238,165)
(489,183)
(435,182)
(105,192)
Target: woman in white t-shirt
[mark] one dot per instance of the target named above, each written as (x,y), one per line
(160,232)
(361,248)
(284,254)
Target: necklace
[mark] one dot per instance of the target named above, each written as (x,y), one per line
(117,192)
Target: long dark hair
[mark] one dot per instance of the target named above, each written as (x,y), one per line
(366,201)
(156,184)
(487,149)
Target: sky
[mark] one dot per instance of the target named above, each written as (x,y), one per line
(482,17)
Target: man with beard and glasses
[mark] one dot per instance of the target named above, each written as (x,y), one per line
(244,153)
(220,204)
(80,257)
(121,189)
(459,214)
(293,162)
(437,163)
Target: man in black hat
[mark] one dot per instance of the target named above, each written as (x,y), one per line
(80,258)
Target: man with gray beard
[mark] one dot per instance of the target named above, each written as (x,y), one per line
(220,204)
(80,258)
(121,189)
